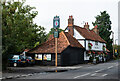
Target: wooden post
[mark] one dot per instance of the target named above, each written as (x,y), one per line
(56,53)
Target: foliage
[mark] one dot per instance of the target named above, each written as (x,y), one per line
(90,45)
(104,25)
(18,30)
(36,44)
(52,31)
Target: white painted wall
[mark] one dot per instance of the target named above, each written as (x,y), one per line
(85,56)
(98,47)
(82,42)
(66,30)
(77,35)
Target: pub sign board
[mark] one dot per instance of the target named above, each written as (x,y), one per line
(56,34)
(56,22)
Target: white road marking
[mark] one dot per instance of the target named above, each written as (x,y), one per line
(3,78)
(30,74)
(110,67)
(81,75)
(9,77)
(69,67)
(17,76)
(99,70)
(24,75)
(93,74)
(104,75)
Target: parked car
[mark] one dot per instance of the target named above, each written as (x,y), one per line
(30,60)
(17,60)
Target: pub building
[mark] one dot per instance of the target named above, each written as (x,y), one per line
(75,46)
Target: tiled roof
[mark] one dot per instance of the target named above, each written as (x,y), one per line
(73,41)
(64,41)
(89,34)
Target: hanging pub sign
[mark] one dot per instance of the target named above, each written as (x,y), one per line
(56,22)
(56,34)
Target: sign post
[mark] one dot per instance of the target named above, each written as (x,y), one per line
(56,25)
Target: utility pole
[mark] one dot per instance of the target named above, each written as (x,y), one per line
(113,42)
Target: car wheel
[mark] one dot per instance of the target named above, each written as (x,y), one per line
(15,64)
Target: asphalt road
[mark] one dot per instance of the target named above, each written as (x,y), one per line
(108,70)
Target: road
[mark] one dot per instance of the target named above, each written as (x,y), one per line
(108,70)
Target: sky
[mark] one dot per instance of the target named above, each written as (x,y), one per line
(81,10)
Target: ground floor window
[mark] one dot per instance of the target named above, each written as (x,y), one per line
(38,56)
(47,57)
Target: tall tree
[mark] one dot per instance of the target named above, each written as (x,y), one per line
(18,30)
(104,25)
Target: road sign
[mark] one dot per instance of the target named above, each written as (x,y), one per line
(115,50)
(56,22)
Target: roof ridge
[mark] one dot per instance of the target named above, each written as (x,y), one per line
(66,37)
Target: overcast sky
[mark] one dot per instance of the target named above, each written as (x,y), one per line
(82,10)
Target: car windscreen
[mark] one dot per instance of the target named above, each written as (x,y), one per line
(29,58)
(15,57)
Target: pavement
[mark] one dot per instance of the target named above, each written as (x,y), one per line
(17,72)
(68,72)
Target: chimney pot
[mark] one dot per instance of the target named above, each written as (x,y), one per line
(95,26)
(86,25)
(95,29)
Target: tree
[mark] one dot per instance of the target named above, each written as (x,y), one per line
(52,31)
(18,30)
(104,25)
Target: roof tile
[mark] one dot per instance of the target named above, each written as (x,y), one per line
(89,34)
(64,41)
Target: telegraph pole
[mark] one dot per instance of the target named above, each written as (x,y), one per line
(113,43)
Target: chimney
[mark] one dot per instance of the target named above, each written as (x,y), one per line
(86,26)
(95,29)
(70,21)
(70,25)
